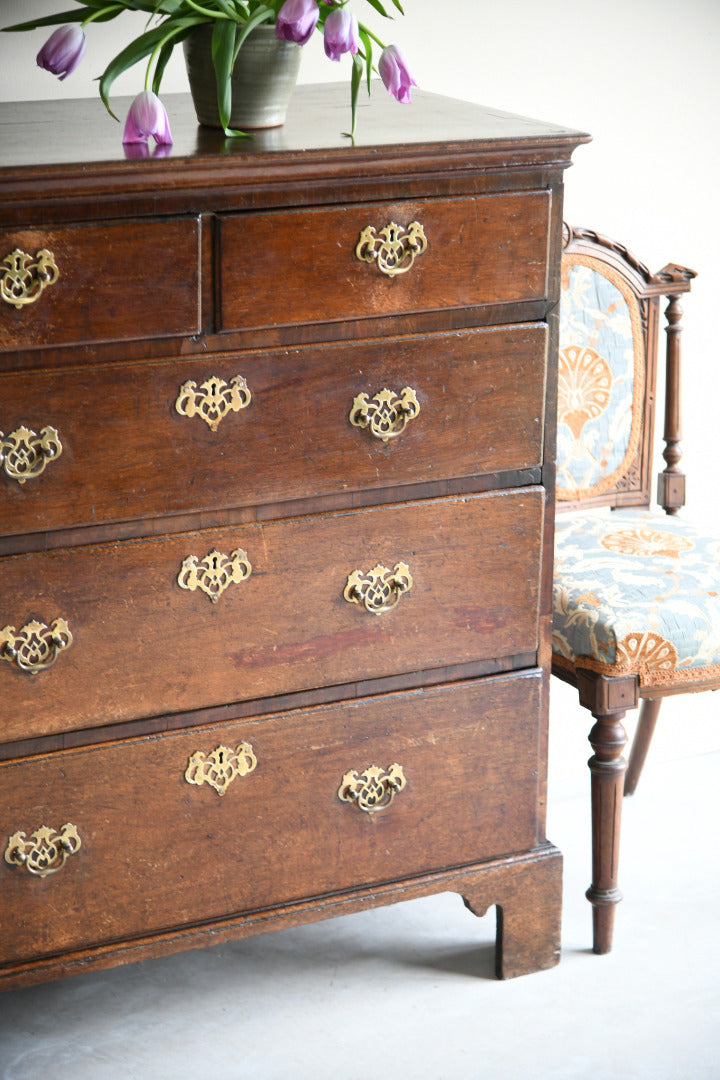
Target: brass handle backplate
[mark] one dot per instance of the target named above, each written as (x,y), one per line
(214,573)
(24,454)
(374,789)
(220,767)
(387,415)
(36,646)
(45,852)
(24,277)
(393,249)
(380,589)
(214,399)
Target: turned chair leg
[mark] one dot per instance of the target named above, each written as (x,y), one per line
(607,768)
(641,742)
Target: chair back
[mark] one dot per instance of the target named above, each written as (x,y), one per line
(609,316)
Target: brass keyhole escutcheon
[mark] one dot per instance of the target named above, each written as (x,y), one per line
(213,399)
(214,573)
(220,767)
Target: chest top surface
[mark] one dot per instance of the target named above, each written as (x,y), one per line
(48,148)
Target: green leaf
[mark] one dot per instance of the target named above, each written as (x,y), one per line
(379,8)
(153,7)
(367,43)
(77,15)
(162,62)
(223,47)
(355,80)
(227,8)
(261,15)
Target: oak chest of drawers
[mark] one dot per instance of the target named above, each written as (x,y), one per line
(276,494)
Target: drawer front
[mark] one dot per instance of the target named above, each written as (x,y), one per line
(156,845)
(285,268)
(145,441)
(293,608)
(110,282)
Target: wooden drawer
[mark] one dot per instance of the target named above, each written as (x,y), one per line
(293,267)
(143,645)
(128,280)
(157,851)
(128,452)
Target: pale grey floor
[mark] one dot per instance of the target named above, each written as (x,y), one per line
(407,991)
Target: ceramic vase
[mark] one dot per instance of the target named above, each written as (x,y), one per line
(263,79)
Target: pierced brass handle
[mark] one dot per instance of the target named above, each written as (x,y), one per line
(393,249)
(213,400)
(36,646)
(220,767)
(45,852)
(24,454)
(374,789)
(214,573)
(380,589)
(25,277)
(387,415)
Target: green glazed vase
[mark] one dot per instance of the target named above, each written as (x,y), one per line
(263,79)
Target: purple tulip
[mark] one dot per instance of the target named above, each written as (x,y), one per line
(147,117)
(63,50)
(395,74)
(296,21)
(341,33)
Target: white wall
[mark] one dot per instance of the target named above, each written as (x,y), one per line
(640,75)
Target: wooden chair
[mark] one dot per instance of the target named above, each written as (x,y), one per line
(636,604)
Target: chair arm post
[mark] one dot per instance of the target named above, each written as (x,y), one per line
(671,481)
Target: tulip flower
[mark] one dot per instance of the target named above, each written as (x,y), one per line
(296,21)
(147,117)
(63,50)
(395,74)
(341,33)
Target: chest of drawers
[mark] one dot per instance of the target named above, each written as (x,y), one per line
(276,494)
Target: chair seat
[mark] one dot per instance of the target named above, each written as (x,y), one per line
(636,592)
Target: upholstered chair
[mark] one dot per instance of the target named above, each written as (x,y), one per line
(636,606)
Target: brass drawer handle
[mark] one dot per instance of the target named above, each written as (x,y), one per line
(387,415)
(24,454)
(220,767)
(214,400)
(45,852)
(24,278)
(380,589)
(214,573)
(393,249)
(36,646)
(374,789)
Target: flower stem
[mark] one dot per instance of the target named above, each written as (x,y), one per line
(370,34)
(154,55)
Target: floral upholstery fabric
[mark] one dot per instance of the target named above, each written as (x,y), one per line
(600,380)
(636,592)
